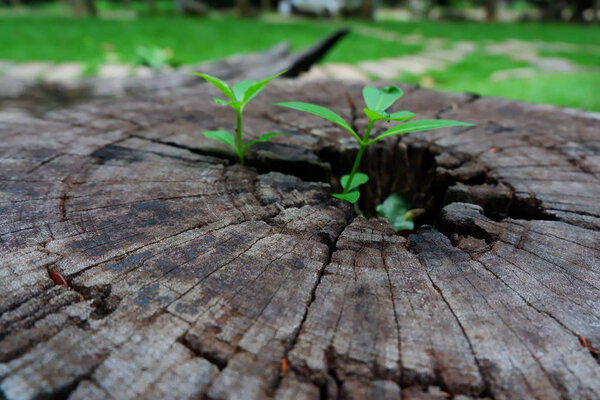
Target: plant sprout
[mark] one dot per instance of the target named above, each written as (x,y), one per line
(377,101)
(238,96)
(155,57)
(397,210)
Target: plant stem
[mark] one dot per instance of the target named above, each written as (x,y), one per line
(359,155)
(363,146)
(238,134)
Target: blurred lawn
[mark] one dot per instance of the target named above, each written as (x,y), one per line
(474,73)
(192,40)
(94,41)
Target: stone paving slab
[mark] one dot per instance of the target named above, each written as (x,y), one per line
(30,70)
(4,65)
(64,73)
(392,68)
(115,71)
(337,71)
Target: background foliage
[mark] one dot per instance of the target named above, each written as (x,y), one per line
(122,31)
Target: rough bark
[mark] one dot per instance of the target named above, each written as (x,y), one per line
(191,277)
(244,8)
(491,10)
(83,8)
(368,8)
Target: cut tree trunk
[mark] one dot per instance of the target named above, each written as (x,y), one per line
(244,8)
(82,8)
(491,10)
(189,277)
(368,10)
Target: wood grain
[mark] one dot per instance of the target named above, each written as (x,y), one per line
(191,277)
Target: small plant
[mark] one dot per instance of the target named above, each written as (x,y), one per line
(239,95)
(397,210)
(377,101)
(155,57)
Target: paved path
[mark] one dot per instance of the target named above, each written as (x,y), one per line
(439,54)
(66,72)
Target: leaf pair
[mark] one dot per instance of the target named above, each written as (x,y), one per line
(377,101)
(397,210)
(239,95)
(351,193)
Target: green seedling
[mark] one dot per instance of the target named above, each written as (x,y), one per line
(377,101)
(397,210)
(238,96)
(155,57)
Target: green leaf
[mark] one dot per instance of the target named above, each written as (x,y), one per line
(376,115)
(263,138)
(240,88)
(403,225)
(402,116)
(396,210)
(393,207)
(219,84)
(397,116)
(381,99)
(320,112)
(222,136)
(221,101)
(417,126)
(351,197)
(257,87)
(359,179)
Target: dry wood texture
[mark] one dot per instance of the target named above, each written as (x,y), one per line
(194,278)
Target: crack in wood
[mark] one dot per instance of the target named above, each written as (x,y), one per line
(485,390)
(165,241)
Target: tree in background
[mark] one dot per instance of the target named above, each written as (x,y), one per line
(491,10)
(579,8)
(421,8)
(552,10)
(244,8)
(368,9)
(549,10)
(83,8)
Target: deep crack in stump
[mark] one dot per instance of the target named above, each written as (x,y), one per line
(203,279)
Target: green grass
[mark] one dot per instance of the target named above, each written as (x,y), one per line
(461,74)
(58,39)
(94,41)
(590,59)
(192,40)
(569,90)
(577,90)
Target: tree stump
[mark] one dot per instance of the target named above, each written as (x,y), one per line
(188,277)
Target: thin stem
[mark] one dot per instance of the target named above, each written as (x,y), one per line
(363,146)
(368,132)
(359,155)
(238,134)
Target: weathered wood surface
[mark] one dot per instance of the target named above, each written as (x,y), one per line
(194,278)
